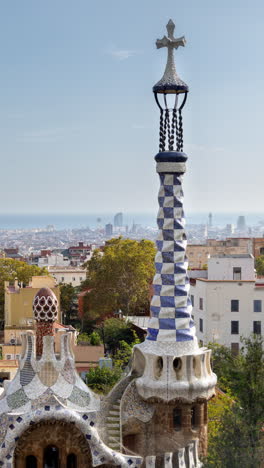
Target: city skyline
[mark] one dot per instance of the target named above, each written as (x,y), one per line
(78,120)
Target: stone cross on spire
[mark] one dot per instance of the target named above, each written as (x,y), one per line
(171,42)
(170,81)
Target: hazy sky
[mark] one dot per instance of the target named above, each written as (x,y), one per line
(78,121)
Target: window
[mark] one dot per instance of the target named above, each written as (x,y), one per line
(71,461)
(257,305)
(234,305)
(237,273)
(235,349)
(81,278)
(177,418)
(201,325)
(200,303)
(73,278)
(193,417)
(192,300)
(51,457)
(257,327)
(8,356)
(201,343)
(31,462)
(234,327)
(17,356)
(62,279)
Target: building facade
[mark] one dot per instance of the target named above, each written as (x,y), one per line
(198,254)
(68,275)
(229,303)
(80,254)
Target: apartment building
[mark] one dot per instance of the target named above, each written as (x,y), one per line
(229,303)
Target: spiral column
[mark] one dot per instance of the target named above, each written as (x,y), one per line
(171,305)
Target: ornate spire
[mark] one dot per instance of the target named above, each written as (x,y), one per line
(170,82)
(171,127)
(174,379)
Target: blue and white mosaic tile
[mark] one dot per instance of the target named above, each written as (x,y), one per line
(171,304)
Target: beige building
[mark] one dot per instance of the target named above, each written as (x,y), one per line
(68,275)
(19,299)
(198,254)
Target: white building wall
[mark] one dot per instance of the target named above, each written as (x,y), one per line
(69,276)
(221,268)
(216,315)
(53,260)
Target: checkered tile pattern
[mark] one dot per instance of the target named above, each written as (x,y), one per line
(171,305)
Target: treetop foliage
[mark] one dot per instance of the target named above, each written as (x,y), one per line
(11,269)
(121,277)
(115,331)
(101,380)
(236,438)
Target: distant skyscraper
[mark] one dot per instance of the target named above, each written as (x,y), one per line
(118,220)
(109,229)
(230,229)
(241,223)
(99,220)
(210,217)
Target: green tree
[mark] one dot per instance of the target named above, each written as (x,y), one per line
(232,446)
(217,407)
(114,331)
(83,338)
(249,385)
(10,270)
(259,264)
(68,302)
(95,339)
(224,365)
(121,277)
(101,380)
(124,353)
(236,441)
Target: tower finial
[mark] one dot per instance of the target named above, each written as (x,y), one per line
(171,127)
(170,82)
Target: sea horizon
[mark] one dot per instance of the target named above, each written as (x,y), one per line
(62,221)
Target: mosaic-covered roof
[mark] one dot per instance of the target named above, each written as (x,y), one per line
(49,388)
